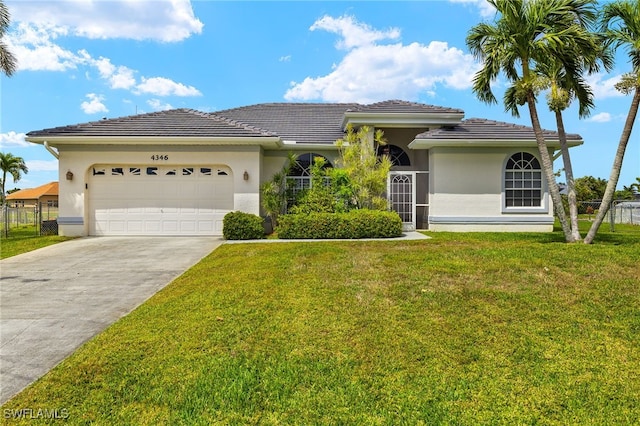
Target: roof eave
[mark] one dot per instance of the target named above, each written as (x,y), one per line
(487,143)
(403,120)
(264,141)
(294,146)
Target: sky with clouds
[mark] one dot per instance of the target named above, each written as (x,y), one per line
(82,60)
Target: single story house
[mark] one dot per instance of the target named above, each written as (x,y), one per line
(46,195)
(178,172)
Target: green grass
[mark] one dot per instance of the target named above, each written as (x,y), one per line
(458,329)
(25,238)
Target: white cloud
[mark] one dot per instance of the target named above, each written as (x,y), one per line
(603,117)
(162,20)
(13,139)
(35,50)
(119,77)
(485,8)
(161,86)
(353,33)
(42,165)
(94,105)
(372,72)
(286,58)
(158,105)
(603,85)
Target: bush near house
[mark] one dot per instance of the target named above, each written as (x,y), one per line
(242,226)
(360,223)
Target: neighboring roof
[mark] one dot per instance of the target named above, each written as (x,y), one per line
(481,131)
(172,123)
(299,122)
(50,188)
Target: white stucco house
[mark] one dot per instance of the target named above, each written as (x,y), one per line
(178,172)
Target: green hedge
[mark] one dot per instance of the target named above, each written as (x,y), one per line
(354,224)
(242,226)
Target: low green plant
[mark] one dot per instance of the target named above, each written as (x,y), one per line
(361,223)
(242,226)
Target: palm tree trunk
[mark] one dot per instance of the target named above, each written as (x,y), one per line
(615,168)
(4,179)
(547,166)
(568,172)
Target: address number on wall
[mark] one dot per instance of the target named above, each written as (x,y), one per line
(159,157)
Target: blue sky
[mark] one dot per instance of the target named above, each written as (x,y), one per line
(82,60)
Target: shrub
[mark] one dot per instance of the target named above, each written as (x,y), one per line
(354,224)
(242,226)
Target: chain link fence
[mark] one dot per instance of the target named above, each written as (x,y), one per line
(625,211)
(43,219)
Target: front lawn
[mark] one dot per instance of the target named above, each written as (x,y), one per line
(458,329)
(25,238)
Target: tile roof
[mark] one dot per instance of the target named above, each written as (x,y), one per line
(300,122)
(50,188)
(319,123)
(483,129)
(172,123)
(404,107)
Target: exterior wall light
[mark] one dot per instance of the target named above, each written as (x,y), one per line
(69,175)
(246,175)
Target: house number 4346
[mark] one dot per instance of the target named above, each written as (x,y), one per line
(159,157)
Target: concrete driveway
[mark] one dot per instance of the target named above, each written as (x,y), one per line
(54,299)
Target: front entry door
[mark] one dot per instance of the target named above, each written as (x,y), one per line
(402,197)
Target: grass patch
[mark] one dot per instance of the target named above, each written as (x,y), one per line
(25,238)
(457,329)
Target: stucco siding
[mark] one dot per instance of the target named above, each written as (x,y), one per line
(80,160)
(467,193)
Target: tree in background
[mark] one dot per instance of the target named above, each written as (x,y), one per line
(526,33)
(620,24)
(589,188)
(8,62)
(12,165)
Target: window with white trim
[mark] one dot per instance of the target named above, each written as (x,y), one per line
(396,154)
(299,177)
(523,181)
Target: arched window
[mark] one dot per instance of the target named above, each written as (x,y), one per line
(304,163)
(523,181)
(396,154)
(299,177)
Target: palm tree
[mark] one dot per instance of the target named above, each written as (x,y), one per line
(564,88)
(524,34)
(620,23)
(13,165)
(8,62)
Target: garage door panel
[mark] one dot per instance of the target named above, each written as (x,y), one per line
(134,201)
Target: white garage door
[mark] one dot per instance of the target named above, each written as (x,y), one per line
(159,200)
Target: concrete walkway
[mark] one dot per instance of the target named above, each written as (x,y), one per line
(54,299)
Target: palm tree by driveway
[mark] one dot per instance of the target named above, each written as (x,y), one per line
(525,33)
(620,23)
(12,165)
